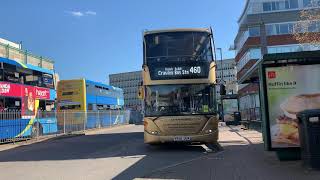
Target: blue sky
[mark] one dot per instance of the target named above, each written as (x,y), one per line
(94,38)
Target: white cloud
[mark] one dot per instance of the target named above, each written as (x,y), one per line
(76,13)
(91,13)
(82,13)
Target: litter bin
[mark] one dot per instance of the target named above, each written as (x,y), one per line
(237,118)
(309,134)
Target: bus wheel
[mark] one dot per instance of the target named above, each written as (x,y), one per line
(37,130)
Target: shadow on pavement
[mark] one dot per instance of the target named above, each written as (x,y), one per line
(80,147)
(249,162)
(119,145)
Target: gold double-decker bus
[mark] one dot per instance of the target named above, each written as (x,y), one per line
(178,89)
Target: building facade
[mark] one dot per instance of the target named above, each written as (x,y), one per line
(226,71)
(129,82)
(265,27)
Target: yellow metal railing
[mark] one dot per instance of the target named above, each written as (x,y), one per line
(25,57)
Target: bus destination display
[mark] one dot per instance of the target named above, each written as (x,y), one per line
(180,72)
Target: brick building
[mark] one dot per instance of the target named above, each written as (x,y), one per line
(265,27)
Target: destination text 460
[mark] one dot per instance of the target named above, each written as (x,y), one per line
(172,71)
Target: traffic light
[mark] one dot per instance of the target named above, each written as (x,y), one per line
(222,90)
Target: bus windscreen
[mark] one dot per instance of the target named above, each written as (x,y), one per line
(164,100)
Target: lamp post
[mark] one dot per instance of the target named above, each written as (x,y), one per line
(221,84)
(221,64)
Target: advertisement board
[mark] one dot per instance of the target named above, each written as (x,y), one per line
(28,95)
(28,101)
(290,89)
(18,90)
(10,90)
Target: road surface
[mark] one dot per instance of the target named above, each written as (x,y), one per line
(117,153)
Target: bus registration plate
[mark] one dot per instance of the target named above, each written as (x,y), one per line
(182,138)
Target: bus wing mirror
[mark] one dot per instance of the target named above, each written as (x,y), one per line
(141,92)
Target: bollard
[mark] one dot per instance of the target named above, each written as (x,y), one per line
(98,119)
(38,128)
(64,122)
(110,119)
(84,121)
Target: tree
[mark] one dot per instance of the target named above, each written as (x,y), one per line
(307,29)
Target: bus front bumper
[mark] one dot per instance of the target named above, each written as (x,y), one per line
(200,138)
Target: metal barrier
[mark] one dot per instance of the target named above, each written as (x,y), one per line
(15,127)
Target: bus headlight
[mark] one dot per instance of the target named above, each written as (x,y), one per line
(154,132)
(209,131)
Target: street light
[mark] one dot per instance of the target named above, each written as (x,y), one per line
(222,88)
(220,49)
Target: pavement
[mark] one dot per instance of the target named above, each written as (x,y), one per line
(243,158)
(119,153)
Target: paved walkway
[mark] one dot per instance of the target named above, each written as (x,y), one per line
(243,158)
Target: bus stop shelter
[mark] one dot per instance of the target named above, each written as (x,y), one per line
(288,82)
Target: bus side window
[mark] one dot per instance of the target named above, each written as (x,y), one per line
(49,106)
(46,105)
(2,104)
(90,107)
(1,74)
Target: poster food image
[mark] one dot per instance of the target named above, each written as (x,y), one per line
(290,90)
(28,101)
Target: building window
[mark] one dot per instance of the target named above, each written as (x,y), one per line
(307,3)
(280,5)
(253,53)
(314,27)
(288,28)
(267,6)
(294,4)
(292,48)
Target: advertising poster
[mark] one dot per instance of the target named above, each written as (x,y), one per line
(28,101)
(42,93)
(229,107)
(9,89)
(290,89)
(28,95)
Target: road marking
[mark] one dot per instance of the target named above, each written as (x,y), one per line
(205,156)
(205,147)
